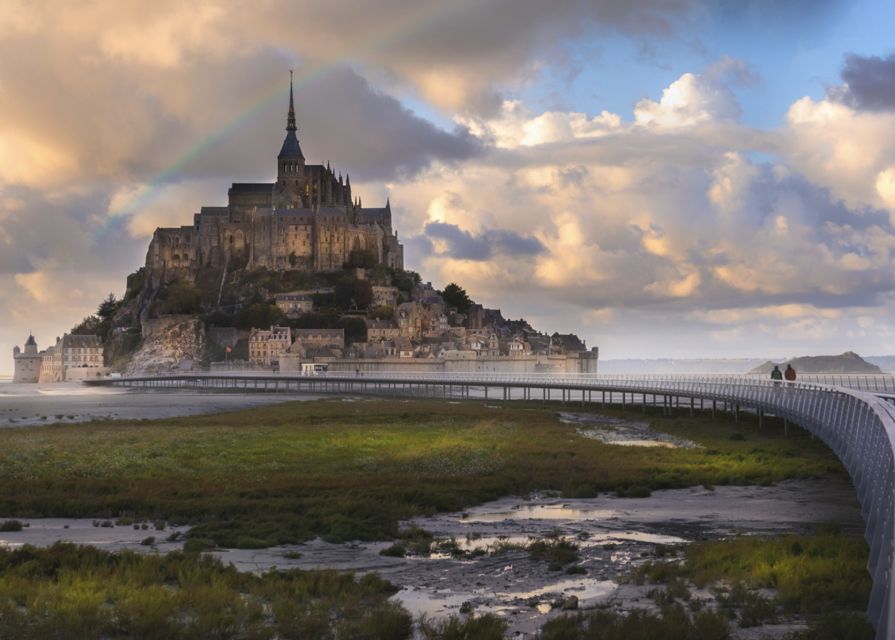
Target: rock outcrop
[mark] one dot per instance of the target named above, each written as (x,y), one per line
(170,344)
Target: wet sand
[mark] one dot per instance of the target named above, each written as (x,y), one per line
(71,402)
(613,535)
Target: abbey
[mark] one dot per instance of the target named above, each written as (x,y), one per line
(307,220)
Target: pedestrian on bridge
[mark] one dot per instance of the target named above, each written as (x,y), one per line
(776,375)
(790,373)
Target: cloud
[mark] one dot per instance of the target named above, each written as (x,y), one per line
(490,243)
(870,82)
(690,100)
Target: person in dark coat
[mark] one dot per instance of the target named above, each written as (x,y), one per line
(776,375)
(790,373)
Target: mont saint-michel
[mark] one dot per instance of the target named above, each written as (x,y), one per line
(308,220)
(289,274)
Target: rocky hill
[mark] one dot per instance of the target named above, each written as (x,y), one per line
(848,362)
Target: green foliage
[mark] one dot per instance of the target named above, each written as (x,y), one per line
(455,296)
(178,297)
(672,623)
(135,282)
(383,312)
(293,259)
(557,553)
(67,591)
(405,280)
(837,626)
(633,491)
(394,551)
(260,315)
(90,326)
(352,293)
(486,627)
(361,259)
(108,307)
(319,319)
(290,472)
(811,574)
(11,525)
(355,329)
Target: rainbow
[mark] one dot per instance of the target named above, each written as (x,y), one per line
(414,21)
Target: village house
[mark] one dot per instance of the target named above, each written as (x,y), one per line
(385,296)
(266,346)
(294,304)
(378,330)
(410,320)
(320,338)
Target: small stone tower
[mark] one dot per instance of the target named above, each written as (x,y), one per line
(27,363)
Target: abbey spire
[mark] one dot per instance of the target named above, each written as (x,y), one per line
(290,120)
(291,152)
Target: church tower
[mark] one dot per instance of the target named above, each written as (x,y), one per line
(291,179)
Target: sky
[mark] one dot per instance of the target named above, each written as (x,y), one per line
(666,178)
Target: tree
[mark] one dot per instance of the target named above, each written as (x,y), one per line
(406,280)
(455,296)
(383,312)
(355,329)
(361,259)
(179,297)
(259,316)
(293,259)
(351,293)
(108,307)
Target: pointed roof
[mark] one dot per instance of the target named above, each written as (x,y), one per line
(31,342)
(291,148)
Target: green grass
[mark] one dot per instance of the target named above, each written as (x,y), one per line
(67,591)
(287,473)
(672,623)
(821,576)
(810,574)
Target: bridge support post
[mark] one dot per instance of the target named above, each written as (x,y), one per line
(760,419)
(691,406)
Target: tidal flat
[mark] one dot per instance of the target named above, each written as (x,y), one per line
(328,483)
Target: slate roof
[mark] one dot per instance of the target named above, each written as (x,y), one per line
(375,214)
(291,148)
(81,342)
(251,186)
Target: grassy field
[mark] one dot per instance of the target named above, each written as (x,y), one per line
(352,470)
(70,592)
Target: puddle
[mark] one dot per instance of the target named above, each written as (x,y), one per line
(586,591)
(621,432)
(539,512)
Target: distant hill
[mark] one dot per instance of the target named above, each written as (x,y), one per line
(886,363)
(670,366)
(848,362)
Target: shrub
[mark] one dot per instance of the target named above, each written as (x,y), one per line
(394,551)
(11,525)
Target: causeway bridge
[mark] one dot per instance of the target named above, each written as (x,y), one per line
(854,416)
